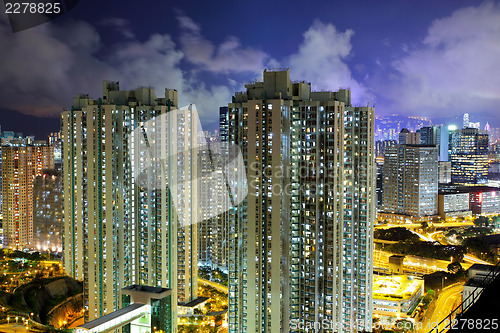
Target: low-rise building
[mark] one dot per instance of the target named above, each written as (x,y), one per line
(396,264)
(452,205)
(144,309)
(483,200)
(479,277)
(444,168)
(394,218)
(397,295)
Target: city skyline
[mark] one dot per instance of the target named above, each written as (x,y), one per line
(403,57)
(249,167)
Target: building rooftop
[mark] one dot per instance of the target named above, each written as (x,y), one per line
(148,289)
(112,316)
(395,287)
(453,189)
(482,308)
(418,145)
(485,268)
(195,302)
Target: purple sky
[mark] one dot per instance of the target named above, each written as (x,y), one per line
(422,58)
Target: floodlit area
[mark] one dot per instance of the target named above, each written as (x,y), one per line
(396,295)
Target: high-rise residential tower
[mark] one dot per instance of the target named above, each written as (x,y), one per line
(411,180)
(47,215)
(468,154)
(121,224)
(20,165)
(300,244)
(212,230)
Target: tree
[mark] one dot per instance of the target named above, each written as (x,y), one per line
(496,221)
(428,298)
(482,221)
(424,225)
(454,267)
(404,325)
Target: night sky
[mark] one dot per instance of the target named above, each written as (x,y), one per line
(416,58)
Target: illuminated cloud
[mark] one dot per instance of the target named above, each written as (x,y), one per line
(48,65)
(229,56)
(455,69)
(322,60)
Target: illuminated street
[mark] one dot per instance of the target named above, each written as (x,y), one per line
(474,260)
(213,284)
(446,302)
(418,225)
(467,258)
(414,264)
(14,328)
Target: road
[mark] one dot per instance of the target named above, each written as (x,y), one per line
(446,302)
(474,260)
(418,225)
(467,258)
(12,328)
(413,263)
(217,286)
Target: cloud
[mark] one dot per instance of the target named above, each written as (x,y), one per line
(455,69)
(120,25)
(48,65)
(322,59)
(228,57)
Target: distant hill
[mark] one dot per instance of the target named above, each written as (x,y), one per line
(40,127)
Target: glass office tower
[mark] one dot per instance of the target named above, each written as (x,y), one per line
(468,154)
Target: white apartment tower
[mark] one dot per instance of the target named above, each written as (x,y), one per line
(212,230)
(121,226)
(300,244)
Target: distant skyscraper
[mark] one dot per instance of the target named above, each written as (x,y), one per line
(494,134)
(47,221)
(468,154)
(20,165)
(407,137)
(121,226)
(212,230)
(220,231)
(411,180)
(475,125)
(207,199)
(380,183)
(223,124)
(55,141)
(431,136)
(301,243)
(444,172)
(381,145)
(466,120)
